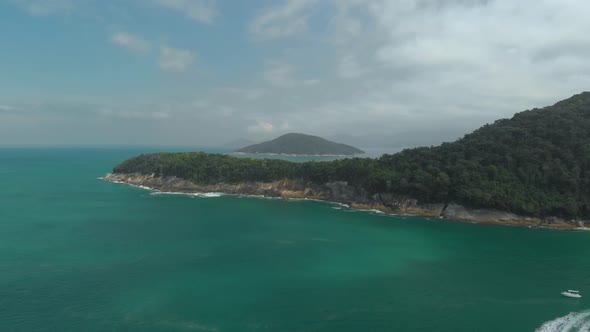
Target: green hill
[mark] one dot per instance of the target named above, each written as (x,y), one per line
(300,144)
(536,163)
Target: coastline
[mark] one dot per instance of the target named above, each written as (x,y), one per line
(342,194)
(296,155)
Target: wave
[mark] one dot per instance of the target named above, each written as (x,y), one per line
(372,211)
(126,183)
(200,195)
(342,205)
(209,195)
(572,322)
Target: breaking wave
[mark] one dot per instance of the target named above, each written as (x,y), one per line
(573,322)
(208,195)
(200,195)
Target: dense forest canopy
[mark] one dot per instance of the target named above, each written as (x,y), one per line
(301,144)
(536,163)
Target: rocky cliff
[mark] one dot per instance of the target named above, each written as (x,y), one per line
(341,192)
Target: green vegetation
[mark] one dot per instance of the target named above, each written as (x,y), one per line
(537,164)
(303,145)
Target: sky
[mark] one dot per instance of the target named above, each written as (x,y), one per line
(378,73)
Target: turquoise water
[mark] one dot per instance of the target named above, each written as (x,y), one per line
(81,254)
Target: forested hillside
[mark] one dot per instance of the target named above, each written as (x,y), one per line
(536,163)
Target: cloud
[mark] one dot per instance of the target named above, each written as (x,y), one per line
(133,114)
(245,93)
(348,67)
(45,7)
(6,108)
(417,61)
(264,127)
(175,60)
(131,42)
(280,74)
(282,21)
(403,72)
(432,70)
(483,46)
(199,10)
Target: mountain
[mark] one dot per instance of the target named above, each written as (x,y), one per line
(301,144)
(535,164)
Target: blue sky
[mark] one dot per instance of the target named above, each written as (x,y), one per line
(204,72)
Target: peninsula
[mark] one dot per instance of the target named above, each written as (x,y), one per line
(301,144)
(530,170)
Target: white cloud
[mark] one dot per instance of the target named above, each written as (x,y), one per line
(199,10)
(133,114)
(265,127)
(175,60)
(282,21)
(131,42)
(348,67)
(424,70)
(345,25)
(245,93)
(492,47)
(45,7)
(7,109)
(434,67)
(280,74)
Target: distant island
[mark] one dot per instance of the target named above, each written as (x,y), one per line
(530,170)
(301,144)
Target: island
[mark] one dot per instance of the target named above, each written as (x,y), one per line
(301,144)
(530,170)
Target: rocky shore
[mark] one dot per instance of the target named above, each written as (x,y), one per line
(341,192)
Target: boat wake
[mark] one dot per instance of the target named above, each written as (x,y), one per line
(573,322)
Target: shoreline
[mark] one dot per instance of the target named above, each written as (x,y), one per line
(297,155)
(284,190)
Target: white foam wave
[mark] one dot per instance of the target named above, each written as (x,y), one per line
(342,205)
(208,195)
(374,211)
(200,195)
(572,322)
(135,185)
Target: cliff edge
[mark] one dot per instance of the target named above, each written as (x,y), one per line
(343,193)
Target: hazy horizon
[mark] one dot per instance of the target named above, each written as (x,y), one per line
(198,73)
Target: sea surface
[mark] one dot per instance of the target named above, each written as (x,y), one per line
(81,254)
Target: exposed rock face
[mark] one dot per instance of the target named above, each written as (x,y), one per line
(407,205)
(341,192)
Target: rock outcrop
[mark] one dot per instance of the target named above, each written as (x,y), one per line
(342,192)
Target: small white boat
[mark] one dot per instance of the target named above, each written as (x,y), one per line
(572,293)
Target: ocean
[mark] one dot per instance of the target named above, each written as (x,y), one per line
(81,254)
